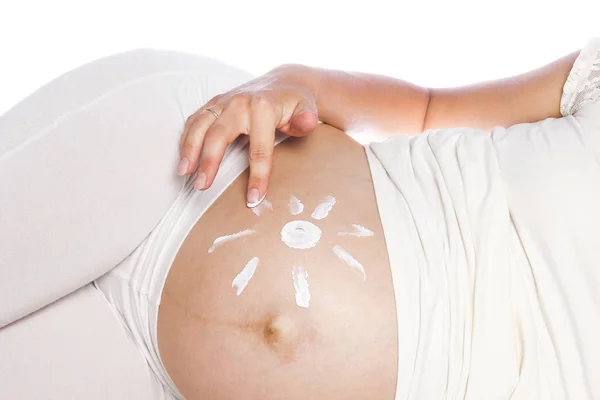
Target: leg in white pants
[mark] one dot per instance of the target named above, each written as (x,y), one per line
(88,168)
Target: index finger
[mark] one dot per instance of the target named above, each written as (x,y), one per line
(263,124)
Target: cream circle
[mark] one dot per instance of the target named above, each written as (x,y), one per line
(300,234)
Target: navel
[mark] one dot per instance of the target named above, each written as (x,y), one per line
(282,334)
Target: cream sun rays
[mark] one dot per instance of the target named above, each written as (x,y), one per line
(300,235)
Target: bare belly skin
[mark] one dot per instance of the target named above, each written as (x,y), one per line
(261,344)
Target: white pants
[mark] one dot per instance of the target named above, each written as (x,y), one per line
(87,169)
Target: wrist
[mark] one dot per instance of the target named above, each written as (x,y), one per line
(309,79)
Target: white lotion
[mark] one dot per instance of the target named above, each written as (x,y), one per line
(242,279)
(300,234)
(359,231)
(347,259)
(324,207)
(301,286)
(265,205)
(228,238)
(295,205)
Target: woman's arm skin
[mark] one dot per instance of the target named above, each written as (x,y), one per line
(530,97)
(352,101)
(290,97)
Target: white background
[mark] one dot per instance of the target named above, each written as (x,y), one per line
(429,42)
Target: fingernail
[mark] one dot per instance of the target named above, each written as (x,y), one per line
(200,181)
(253,200)
(184,164)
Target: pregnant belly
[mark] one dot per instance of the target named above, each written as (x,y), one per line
(286,310)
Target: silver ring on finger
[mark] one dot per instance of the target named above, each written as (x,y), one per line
(214,112)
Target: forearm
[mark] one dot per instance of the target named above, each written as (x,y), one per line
(529,97)
(364,102)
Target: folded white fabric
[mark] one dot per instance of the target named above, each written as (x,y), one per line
(494,243)
(75,348)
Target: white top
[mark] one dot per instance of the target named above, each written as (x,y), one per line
(494,243)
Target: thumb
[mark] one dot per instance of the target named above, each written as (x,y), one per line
(304,120)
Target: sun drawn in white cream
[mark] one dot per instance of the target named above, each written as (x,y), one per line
(301,235)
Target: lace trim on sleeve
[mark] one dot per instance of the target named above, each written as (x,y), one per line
(583,84)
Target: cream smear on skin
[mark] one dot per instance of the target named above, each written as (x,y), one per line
(262,207)
(350,261)
(297,234)
(300,234)
(228,238)
(241,280)
(295,206)
(301,286)
(358,230)
(323,208)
